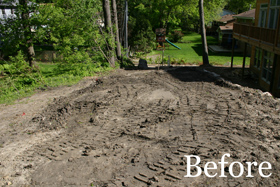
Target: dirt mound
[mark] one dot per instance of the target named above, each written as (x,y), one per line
(134,128)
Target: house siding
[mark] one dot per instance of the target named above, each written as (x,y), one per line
(268,44)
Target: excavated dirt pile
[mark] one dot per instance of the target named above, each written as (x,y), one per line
(133,128)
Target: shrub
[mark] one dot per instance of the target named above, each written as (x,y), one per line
(176,36)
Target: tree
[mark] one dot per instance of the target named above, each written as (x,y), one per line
(147,15)
(74,28)
(27,33)
(115,14)
(108,26)
(203,34)
(239,6)
(16,30)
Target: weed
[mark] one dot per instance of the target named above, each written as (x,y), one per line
(11,124)
(22,81)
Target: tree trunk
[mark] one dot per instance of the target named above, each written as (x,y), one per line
(203,34)
(114,6)
(28,48)
(108,26)
(166,21)
(126,29)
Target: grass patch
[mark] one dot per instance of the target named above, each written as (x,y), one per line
(191,52)
(14,86)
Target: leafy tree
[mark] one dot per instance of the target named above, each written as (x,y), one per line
(239,6)
(74,29)
(147,15)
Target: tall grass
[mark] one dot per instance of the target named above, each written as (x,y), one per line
(15,86)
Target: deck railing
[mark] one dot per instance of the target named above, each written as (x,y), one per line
(258,33)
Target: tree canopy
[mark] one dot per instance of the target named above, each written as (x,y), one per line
(239,6)
(74,28)
(147,15)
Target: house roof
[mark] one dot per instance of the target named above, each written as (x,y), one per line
(9,4)
(7,9)
(226,18)
(250,14)
(226,28)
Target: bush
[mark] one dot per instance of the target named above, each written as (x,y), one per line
(176,36)
(126,63)
(19,78)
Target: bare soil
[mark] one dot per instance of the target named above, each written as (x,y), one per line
(133,128)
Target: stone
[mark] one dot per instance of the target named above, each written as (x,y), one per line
(8,183)
(142,64)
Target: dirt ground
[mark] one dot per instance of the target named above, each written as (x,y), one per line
(133,128)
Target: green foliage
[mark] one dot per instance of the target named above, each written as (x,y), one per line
(16,31)
(142,35)
(82,69)
(19,77)
(239,6)
(72,27)
(20,85)
(19,80)
(126,63)
(73,30)
(146,16)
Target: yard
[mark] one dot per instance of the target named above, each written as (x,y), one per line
(191,52)
(134,128)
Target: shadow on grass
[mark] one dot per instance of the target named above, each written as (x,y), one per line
(197,39)
(198,49)
(52,70)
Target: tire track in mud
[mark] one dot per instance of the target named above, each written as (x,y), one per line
(134,130)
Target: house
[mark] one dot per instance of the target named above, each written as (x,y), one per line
(246,18)
(225,18)
(263,36)
(225,30)
(7,10)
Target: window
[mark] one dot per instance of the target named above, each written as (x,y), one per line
(273,13)
(4,14)
(258,57)
(267,66)
(263,12)
(274,3)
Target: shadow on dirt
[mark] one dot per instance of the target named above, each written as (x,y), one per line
(209,74)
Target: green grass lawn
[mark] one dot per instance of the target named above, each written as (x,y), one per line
(191,52)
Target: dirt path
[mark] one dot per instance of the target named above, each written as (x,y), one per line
(133,128)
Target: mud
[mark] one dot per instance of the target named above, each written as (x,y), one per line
(133,128)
